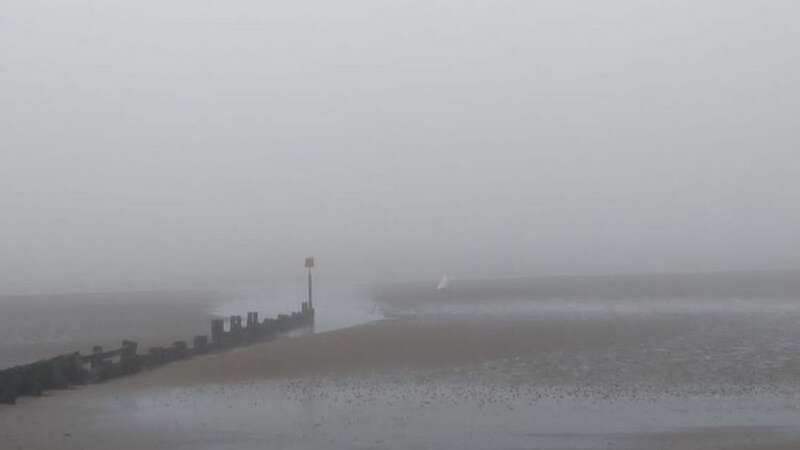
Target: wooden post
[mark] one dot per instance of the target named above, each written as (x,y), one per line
(128,360)
(156,356)
(236,329)
(10,385)
(310,265)
(253,330)
(217,331)
(58,370)
(97,350)
(75,373)
(200,344)
(179,349)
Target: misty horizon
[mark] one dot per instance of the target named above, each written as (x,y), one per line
(163,145)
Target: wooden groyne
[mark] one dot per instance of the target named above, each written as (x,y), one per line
(73,369)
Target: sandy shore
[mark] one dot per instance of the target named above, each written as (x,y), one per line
(658,352)
(652,381)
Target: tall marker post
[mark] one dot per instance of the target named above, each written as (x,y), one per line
(309,266)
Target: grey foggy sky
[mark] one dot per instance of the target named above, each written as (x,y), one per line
(169,143)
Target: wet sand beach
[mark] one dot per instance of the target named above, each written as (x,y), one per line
(631,381)
(634,352)
(665,373)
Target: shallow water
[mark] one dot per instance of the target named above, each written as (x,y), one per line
(367,412)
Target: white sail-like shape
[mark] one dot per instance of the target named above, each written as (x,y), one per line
(442,283)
